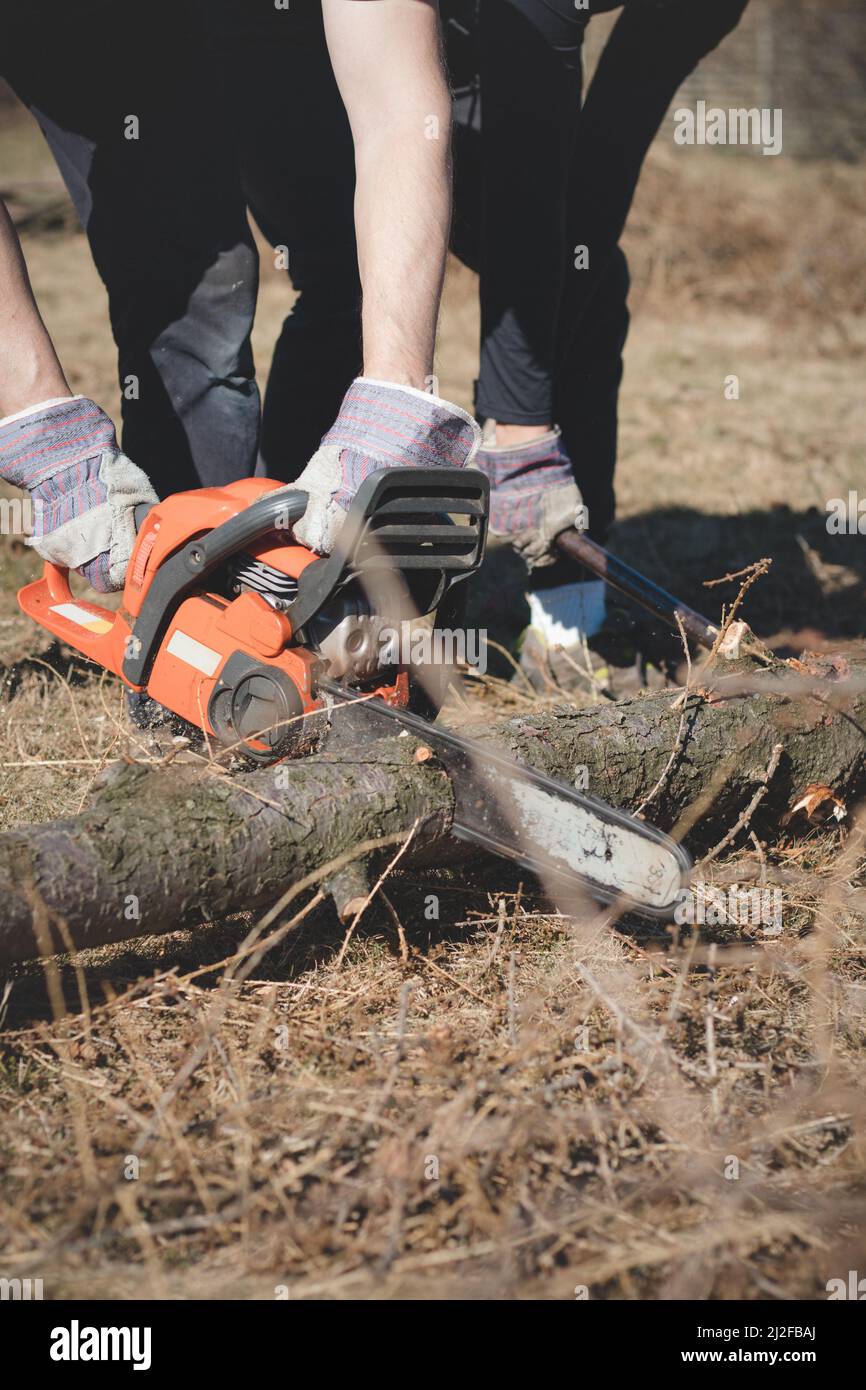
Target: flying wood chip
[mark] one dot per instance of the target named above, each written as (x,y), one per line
(817,803)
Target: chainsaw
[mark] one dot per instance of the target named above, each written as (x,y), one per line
(260,645)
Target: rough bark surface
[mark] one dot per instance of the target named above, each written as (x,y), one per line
(167,848)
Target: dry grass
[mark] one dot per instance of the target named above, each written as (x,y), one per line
(528,1105)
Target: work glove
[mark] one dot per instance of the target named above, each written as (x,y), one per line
(533,495)
(380,425)
(83,488)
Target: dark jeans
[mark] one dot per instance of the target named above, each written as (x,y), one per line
(164,216)
(516,71)
(296,159)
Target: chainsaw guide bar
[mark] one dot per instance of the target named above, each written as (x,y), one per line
(565,837)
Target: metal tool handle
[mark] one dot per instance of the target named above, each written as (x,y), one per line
(637,587)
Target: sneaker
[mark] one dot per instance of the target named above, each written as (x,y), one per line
(608,666)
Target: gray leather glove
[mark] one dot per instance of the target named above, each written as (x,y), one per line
(533,495)
(83,488)
(380,425)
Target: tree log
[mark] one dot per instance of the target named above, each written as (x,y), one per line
(163,848)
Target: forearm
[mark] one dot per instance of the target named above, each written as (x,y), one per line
(387,60)
(29,368)
(402,214)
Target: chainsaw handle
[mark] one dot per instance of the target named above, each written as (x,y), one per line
(54,587)
(395,523)
(193,562)
(276,511)
(56,580)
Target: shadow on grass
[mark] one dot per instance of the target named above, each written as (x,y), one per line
(814,594)
(56,660)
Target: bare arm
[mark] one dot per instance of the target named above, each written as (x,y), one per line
(387,61)
(29,369)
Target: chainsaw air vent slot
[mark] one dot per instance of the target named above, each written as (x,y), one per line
(277,588)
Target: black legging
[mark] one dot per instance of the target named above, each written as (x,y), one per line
(536,177)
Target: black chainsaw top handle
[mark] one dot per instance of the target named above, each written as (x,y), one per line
(399,519)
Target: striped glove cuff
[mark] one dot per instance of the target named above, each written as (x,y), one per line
(382,425)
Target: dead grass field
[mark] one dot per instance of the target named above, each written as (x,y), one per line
(527,1106)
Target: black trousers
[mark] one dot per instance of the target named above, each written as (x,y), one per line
(236,105)
(542,172)
(137,124)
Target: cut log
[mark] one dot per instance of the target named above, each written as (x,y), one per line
(165,848)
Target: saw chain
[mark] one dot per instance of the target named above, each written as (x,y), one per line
(567,838)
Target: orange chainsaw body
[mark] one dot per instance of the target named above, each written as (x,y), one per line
(206,630)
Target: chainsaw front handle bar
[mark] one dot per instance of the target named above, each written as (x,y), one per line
(400,519)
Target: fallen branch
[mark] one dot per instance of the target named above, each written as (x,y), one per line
(160,848)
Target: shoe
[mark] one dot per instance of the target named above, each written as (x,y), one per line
(608,666)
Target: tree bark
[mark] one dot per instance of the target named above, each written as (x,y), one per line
(165,848)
